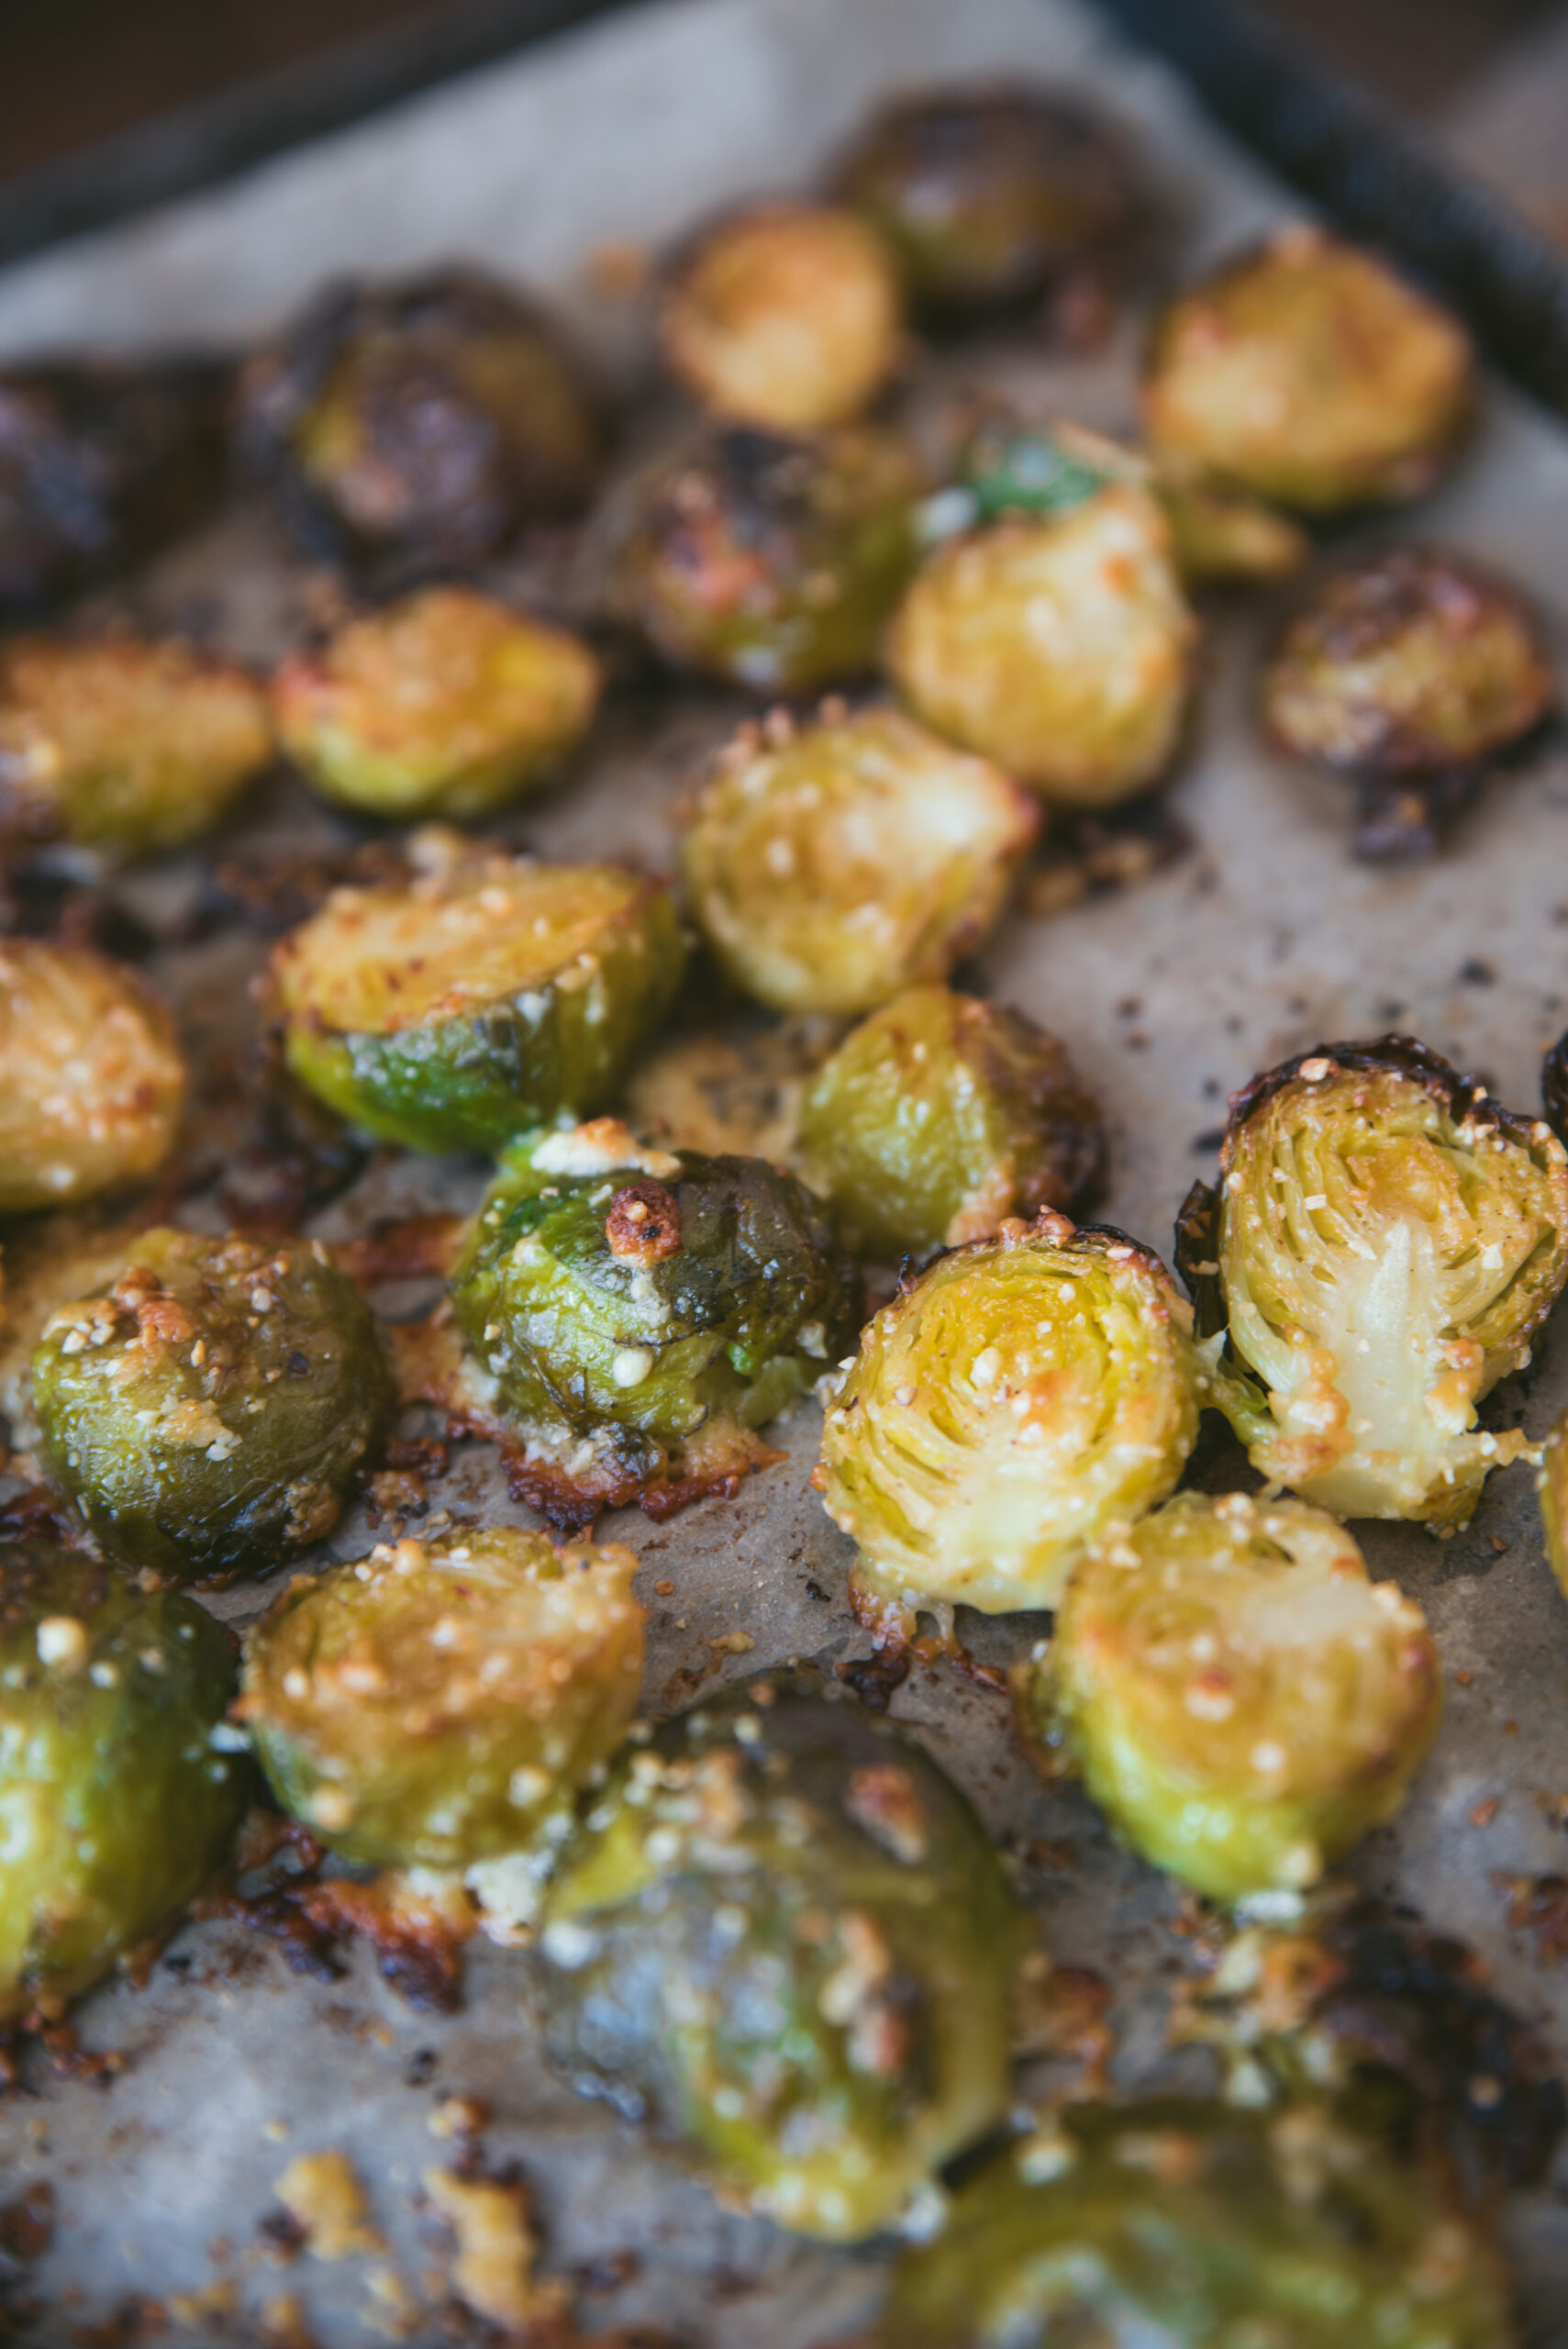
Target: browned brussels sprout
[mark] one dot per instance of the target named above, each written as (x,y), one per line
(120,1782)
(987,195)
(444,704)
(414,429)
(1384,1242)
(1311,375)
(1242,1702)
(127,745)
(207,1411)
(788,317)
(1554,1086)
(100,462)
(941,1115)
(1191,2225)
(90,1077)
(781,1937)
(438,1706)
(770,563)
(830,866)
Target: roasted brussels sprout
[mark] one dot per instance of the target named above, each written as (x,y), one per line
(783,1936)
(1195,2226)
(1242,1702)
(1383,1244)
(788,317)
(485,994)
(445,704)
(1058,643)
(1019,1397)
(1551,1491)
(941,1115)
(986,195)
(772,564)
(119,1784)
(208,1410)
(831,867)
(1554,1086)
(438,1706)
(129,745)
(100,462)
(413,428)
(90,1077)
(634,1296)
(1311,375)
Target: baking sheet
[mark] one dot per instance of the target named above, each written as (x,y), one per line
(1262,940)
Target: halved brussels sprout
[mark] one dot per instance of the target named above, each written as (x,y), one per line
(129,745)
(119,1784)
(634,1297)
(772,564)
(1058,643)
(1191,2225)
(1308,372)
(941,1115)
(413,428)
(1384,1242)
(1242,1702)
(90,1077)
(435,1705)
(831,867)
(484,995)
(988,195)
(445,704)
(208,1410)
(1019,1397)
(783,1937)
(784,315)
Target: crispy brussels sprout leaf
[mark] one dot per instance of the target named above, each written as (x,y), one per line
(940,1115)
(1222,535)
(435,1705)
(119,1786)
(445,704)
(208,1410)
(784,1938)
(1242,1702)
(485,994)
(1382,1247)
(1013,1402)
(1192,2225)
(831,867)
(90,1077)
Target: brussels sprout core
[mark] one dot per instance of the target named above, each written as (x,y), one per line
(1383,1245)
(91,1078)
(1242,1702)
(784,1937)
(1017,1399)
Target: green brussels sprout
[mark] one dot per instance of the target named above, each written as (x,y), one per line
(1243,1702)
(90,1077)
(1058,643)
(1310,374)
(782,1936)
(119,1784)
(208,1410)
(788,317)
(1184,2224)
(830,866)
(484,995)
(1383,1245)
(940,1115)
(127,745)
(1020,1397)
(636,1296)
(772,564)
(986,195)
(444,704)
(414,429)
(435,1705)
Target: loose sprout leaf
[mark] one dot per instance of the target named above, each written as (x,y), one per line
(1025,471)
